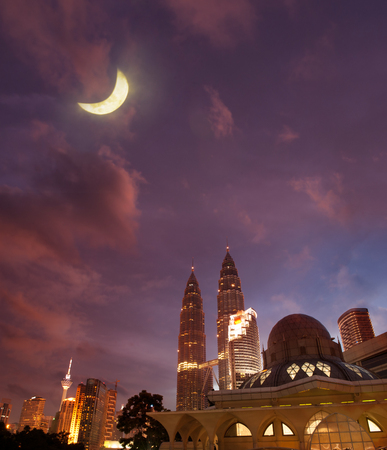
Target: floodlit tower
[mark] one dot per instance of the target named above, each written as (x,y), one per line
(243,336)
(230,301)
(191,389)
(66,383)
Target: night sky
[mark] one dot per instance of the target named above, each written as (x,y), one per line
(262,122)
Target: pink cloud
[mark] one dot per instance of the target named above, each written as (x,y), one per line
(315,62)
(223,22)
(287,135)
(220,117)
(282,302)
(300,260)
(328,201)
(62,39)
(74,196)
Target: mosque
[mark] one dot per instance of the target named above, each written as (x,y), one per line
(306,398)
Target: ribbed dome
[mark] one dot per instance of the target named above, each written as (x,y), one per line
(297,326)
(303,369)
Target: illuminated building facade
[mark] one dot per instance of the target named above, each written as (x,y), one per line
(306,398)
(355,327)
(110,416)
(65,415)
(191,392)
(77,413)
(87,424)
(32,414)
(66,383)
(5,410)
(230,300)
(243,336)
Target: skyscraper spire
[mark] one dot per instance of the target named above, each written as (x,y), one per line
(191,350)
(66,383)
(230,301)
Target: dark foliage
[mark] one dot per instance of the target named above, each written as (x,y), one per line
(145,433)
(35,440)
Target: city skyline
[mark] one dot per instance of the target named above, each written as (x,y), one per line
(259,122)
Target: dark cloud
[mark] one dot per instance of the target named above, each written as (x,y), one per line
(259,122)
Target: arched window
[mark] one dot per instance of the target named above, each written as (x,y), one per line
(314,421)
(269,430)
(372,426)
(237,429)
(339,431)
(286,431)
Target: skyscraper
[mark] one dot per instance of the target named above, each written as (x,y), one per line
(192,350)
(65,415)
(87,424)
(110,415)
(355,327)
(5,410)
(230,301)
(245,357)
(32,414)
(66,383)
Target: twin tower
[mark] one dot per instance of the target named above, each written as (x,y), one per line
(238,340)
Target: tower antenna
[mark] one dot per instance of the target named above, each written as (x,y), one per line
(66,383)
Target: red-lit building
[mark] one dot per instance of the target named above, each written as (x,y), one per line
(355,327)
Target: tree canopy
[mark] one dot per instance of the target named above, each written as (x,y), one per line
(144,432)
(33,439)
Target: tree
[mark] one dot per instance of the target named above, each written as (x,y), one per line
(144,432)
(33,439)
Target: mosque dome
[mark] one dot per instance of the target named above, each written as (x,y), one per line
(299,347)
(297,326)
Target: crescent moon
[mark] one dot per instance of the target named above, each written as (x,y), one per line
(114,101)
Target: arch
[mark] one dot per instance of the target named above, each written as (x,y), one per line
(277,431)
(340,431)
(312,424)
(237,429)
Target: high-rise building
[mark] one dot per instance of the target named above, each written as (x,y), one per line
(191,392)
(32,414)
(230,301)
(243,336)
(77,413)
(65,415)
(355,327)
(89,414)
(66,383)
(5,410)
(110,415)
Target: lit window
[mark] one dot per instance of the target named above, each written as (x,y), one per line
(269,430)
(325,368)
(314,421)
(264,375)
(308,368)
(237,429)
(254,379)
(372,426)
(286,431)
(293,370)
(354,369)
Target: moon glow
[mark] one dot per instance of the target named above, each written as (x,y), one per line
(114,101)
